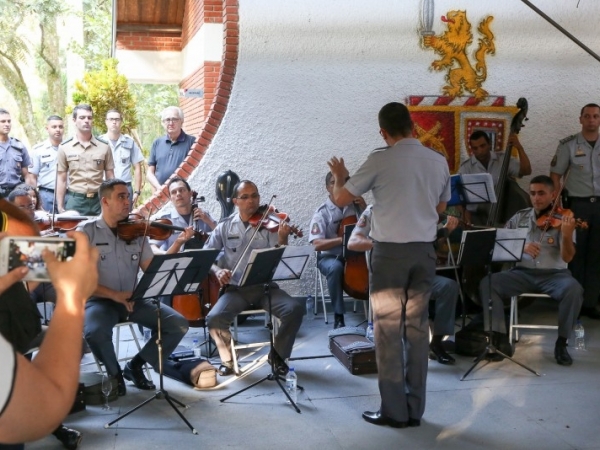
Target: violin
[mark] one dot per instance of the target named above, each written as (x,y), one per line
(15,222)
(160,230)
(60,223)
(553,219)
(272,220)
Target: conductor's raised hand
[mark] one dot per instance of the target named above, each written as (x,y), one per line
(338,169)
(77,279)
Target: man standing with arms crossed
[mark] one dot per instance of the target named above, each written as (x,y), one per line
(579,156)
(126,154)
(43,157)
(410,185)
(86,161)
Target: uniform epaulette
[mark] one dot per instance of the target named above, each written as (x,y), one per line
(567,139)
(15,143)
(67,141)
(379,149)
(38,145)
(465,161)
(101,140)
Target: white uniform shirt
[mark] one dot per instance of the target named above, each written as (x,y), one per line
(43,163)
(126,153)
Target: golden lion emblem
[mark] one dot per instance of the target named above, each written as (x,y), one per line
(452,46)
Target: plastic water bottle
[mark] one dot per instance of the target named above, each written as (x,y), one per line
(291,384)
(196,348)
(310,307)
(369,332)
(579,336)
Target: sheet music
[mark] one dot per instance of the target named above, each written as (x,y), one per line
(478,188)
(509,244)
(292,262)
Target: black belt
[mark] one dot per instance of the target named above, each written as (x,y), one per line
(586,199)
(7,188)
(42,188)
(88,195)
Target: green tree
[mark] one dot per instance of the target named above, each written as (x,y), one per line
(103,90)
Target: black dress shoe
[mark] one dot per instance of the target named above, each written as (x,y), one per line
(414,422)
(279,365)
(592,313)
(437,352)
(562,355)
(226,369)
(69,438)
(121,388)
(136,375)
(338,321)
(377,418)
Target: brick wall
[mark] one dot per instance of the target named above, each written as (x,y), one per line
(198,12)
(157,41)
(203,116)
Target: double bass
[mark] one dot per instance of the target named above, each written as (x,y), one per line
(510,199)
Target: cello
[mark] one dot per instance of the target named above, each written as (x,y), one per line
(510,199)
(355,281)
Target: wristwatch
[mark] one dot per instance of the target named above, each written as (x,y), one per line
(137,192)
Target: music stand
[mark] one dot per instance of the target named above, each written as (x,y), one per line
(482,247)
(170,275)
(265,266)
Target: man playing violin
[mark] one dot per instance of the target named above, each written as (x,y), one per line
(111,302)
(234,235)
(543,268)
(325,237)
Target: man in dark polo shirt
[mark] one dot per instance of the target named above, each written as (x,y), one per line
(168,151)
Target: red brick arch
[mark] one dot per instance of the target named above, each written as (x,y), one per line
(219,91)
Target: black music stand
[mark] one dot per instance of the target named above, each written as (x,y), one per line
(264,266)
(482,247)
(170,275)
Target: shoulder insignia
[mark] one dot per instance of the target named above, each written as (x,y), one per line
(465,161)
(66,141)
(15,143)
(38,145)
(101,139)
(553,162)
(315,229)
(567,139)
(362,222)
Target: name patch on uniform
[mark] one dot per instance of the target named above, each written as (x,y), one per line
(315,229)
(579,152)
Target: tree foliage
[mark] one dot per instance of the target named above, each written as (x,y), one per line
(103,90)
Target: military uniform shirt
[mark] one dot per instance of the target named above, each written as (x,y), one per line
(584,178)
(84,166)
(43,164)
(472,165)
(119,261)
(326,222)
(179,221)
(549,257)
(13,157)
(126,153)
(232,236)
(407,169)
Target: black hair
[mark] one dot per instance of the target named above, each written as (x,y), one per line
(395,119)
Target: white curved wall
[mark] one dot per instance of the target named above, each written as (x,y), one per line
(312,76)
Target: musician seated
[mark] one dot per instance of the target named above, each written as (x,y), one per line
(444,291)
(185,214)
(543,268)
(484,160)
(111,303)
(328,240)
(234,235)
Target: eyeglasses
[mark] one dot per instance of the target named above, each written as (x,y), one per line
(246,197)
(31,206)
(113,119)
(171,120)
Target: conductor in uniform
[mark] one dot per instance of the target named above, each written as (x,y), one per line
(411,186)
(579,154)
(111,303)
(233,235)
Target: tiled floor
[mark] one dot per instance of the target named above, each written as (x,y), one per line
(499,406)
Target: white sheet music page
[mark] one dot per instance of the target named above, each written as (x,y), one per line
(478,188)
(509,244)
